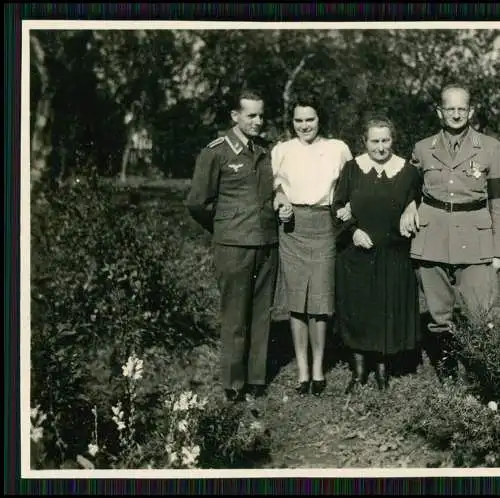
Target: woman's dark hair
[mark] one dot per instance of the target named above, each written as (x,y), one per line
(378,122)
(308,100)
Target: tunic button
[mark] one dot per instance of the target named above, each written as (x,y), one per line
(463,247)
(451,194)
(451,181)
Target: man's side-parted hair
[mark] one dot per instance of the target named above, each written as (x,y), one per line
(455,86)
(248,94)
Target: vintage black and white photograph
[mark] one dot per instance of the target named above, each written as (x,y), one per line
(261,246)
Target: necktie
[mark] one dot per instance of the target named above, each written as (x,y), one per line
(454,148)
(250,146)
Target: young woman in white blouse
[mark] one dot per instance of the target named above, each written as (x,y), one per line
(306,169)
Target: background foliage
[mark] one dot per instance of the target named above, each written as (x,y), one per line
(102,84)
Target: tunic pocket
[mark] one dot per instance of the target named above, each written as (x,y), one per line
(418,242)
(485,235)
(433,174)
(224,214)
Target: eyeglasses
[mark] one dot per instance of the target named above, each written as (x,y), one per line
(451,110)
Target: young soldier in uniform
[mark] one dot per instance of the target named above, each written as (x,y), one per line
(457,225)
(232,197)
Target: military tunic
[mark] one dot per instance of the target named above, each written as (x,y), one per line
(459,222)
(232,197)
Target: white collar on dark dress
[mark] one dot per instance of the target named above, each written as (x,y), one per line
(392,167)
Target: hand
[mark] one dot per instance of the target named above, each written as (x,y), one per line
(409,222)
(496,263)
(362,239)
(345,213)
(285,212)
(280,199)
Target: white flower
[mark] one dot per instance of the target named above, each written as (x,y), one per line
(34,411)
(93,449)
(490,326)
(133,369)
(190,455)
(183,425)
(37,415)
(173,457)
(256,426)
(183,403)
(119,424)
(117,410)
(492,405)
(36,434)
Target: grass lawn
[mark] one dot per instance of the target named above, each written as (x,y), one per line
(135,273)
(367,429)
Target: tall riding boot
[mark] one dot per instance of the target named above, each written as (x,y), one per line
(359,375)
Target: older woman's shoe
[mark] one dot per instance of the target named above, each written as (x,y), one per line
(382,376)
(317,387)
(303,387)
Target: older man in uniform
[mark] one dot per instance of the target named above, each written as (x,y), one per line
(232,197)
(457,225)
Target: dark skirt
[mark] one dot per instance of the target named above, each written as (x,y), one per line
(377,300)
(306,282)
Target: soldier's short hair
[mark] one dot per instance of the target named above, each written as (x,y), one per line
(247,94)
(378,121)
(455,86)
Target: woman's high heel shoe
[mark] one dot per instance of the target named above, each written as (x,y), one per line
(303,387)
(318,386)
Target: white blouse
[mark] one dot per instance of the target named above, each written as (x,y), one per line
(307,173)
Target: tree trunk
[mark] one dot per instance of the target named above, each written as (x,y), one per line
(287,92)
(126,154)
(41,143)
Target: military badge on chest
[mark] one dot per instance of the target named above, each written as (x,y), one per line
(235,167)
(474,170)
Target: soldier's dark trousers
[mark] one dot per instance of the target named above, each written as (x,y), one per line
(477,289)
(246,279)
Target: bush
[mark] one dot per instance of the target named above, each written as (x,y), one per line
(477,341)
(185,431)
(107,283)
(451,417)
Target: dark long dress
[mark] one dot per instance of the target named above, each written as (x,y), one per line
(377,290)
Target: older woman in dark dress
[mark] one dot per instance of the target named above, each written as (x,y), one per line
(376,286)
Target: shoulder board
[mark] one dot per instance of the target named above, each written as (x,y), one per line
(215,142)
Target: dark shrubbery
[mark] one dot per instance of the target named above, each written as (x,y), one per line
(113,281)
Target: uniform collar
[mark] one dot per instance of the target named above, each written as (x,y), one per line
(241,137)
(239,142)
(234,141)
(450,139)
(471,142)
